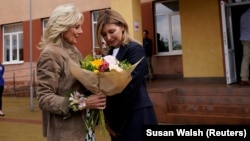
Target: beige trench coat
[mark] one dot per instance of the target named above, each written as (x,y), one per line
(54,83)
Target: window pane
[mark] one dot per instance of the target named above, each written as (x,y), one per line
(20,46)
(6,48)
(176,33)
(13,28)
(45,21)
(14,47)
(94,31)
(95,15)
(162,33)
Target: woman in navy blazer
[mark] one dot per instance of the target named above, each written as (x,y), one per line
(127,112)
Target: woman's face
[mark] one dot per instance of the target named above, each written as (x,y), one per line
(73,33)
(112,34)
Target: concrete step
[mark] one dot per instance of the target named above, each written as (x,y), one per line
(206,119)
(202,105)
(215,109)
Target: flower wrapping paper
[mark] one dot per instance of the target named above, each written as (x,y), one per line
(110,83)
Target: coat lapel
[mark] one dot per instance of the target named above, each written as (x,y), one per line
(121,53)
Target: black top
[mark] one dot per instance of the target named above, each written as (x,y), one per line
(147,44)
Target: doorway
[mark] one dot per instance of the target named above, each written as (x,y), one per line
(236,12)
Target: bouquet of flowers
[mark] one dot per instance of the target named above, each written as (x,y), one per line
(105,74)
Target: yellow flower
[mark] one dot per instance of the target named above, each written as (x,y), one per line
(97,63)
(96,71)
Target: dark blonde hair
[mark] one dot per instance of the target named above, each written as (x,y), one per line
(62,17)
(110,16)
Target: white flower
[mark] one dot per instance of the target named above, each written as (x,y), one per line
(113,63)
(115,67)
(111,60)
(77,101)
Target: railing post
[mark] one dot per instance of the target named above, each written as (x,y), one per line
(14,84)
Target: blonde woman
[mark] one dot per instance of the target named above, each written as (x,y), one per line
(55,81)
(128,111)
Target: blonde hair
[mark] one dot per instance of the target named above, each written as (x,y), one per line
(110,16)
(62,17)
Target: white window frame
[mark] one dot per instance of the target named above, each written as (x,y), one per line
(170,31)
(18,35)
(44,22)
(94,17)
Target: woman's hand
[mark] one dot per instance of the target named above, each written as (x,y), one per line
(96,101)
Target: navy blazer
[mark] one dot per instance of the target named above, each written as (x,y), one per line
(135,96)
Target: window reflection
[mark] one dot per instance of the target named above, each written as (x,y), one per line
(168,30)
(13,43)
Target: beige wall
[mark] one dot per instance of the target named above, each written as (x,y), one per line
(41,8)
(131,11)
(201,38)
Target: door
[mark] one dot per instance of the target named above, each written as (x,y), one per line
(229,52)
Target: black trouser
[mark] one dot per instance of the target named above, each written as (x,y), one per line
(1,94)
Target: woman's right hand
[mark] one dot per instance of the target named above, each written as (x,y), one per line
(96,101)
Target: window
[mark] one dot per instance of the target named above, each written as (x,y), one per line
(13,43)
(94,22)
(45,21)
(168,30)
(95,51)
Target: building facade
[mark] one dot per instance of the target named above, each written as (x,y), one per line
(200,38)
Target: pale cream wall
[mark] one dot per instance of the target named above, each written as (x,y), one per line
(131,12)
(201,38)
(19,10)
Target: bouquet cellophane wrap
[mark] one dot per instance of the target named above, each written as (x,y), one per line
(110,83)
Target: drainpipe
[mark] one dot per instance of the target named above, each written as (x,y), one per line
(31,62)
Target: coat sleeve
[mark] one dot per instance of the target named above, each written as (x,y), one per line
(48,73)
(134,54)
